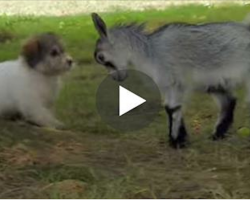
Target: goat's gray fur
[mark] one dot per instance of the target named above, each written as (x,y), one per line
(181,58)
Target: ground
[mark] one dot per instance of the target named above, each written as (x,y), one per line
(91,160)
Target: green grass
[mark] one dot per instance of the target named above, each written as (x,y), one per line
(111,164)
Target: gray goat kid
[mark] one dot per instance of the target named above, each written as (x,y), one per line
(181,58)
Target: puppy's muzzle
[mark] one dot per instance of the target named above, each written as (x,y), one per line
(69,61)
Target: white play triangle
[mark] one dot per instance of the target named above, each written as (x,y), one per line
(128,100)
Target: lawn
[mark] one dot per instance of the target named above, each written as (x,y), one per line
(91,160)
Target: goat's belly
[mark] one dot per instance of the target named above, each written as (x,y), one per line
(226,78)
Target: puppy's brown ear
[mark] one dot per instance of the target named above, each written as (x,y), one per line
(31,52)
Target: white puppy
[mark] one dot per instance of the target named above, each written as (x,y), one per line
(29,85)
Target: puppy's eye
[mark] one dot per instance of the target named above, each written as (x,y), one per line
(54,53)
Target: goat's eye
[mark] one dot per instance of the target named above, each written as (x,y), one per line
(54,53)
(100,57)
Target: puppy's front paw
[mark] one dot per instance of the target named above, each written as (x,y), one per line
(51,124)
(55,124)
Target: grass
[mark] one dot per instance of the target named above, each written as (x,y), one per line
(90,159)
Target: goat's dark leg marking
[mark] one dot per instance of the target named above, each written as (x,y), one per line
(226,117)
(227,104)
(177,137)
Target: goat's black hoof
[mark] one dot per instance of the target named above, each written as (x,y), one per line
(178,143)
(216,137)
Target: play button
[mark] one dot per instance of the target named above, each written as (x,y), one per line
(128,100)
(129,105)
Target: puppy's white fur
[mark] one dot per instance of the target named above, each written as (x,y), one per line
(29,92)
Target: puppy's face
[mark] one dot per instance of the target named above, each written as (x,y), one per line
(45,53)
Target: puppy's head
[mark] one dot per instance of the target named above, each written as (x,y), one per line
(45,53)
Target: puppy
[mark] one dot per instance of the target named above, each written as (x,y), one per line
(30,84)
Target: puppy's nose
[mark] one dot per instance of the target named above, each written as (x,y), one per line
(69,61)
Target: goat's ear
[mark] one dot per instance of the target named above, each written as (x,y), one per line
(99,25)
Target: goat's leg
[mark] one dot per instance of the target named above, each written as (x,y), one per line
(177,130)
(227,103)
